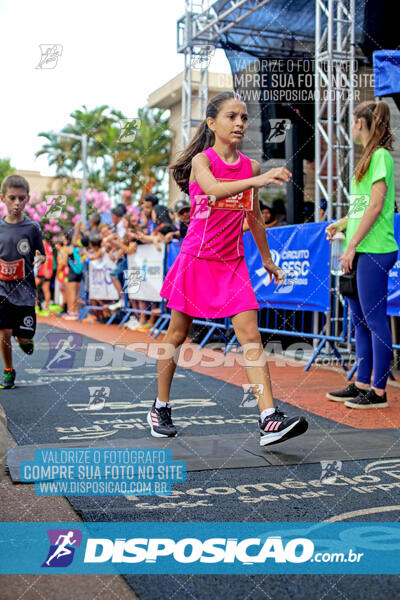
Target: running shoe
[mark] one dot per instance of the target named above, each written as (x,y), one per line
(27,348)
(367,400)
(116,305)
(8,380)
(160,422)
(71,316)
(55,308)
(351,391)
(132,324)
(278,428)
(89,319)
(144,327)
(44,313)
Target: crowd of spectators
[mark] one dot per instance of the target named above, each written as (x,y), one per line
(118,237)
(128,227)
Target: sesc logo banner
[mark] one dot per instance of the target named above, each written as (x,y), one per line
(192,550)
(303,253)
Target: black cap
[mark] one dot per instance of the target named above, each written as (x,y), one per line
(122,207)
(180,205)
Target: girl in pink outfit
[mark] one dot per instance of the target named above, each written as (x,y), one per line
(209,279)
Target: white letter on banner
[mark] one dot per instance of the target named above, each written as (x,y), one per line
(133,548)
(211,546)
(159,547)
(105,359)
(195,554)
(307,550)
(91,547)
(241,550)
(273,548)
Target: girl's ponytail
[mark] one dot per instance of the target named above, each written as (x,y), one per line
(377,118)
(203,139)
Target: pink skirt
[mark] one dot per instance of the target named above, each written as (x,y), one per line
(209,289)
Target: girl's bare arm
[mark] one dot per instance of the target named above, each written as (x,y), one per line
(210,186)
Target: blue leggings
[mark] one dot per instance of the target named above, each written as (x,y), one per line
(373,337)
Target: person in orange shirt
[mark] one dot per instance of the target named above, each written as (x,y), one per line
(44,276)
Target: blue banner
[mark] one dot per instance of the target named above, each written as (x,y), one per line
(386,64)
(393,305)
(173,250)
(303,252)
(200,547)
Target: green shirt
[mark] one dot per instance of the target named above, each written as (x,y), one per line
(380,238)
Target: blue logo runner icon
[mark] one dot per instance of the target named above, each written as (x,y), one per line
(62,350)
(62,547)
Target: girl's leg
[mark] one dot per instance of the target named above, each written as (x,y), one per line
(178,330)
(76,288)
(117,284)
(274,426)
(363,345)
(69,295)
(372,281)
(73,290)
(46,293)
(38,282)
(5,348)
(143,316)
(64,292)
(135,305)
(246,328)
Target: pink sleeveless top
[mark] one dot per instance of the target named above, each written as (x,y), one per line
(215,233)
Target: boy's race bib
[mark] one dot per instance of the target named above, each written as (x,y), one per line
(12,271)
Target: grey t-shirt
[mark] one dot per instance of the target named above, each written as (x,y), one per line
(18,244)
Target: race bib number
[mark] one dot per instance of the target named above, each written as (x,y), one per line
(12,271)
(241,201)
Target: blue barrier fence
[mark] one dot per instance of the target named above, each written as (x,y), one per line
(307,306)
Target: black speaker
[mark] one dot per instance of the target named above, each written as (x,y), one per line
(287,99)
(295,187)
(381,28)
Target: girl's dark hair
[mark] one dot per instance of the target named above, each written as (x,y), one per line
(204,138)
(68,236)
(95,240)
(162,214)
(268,207)
(377,118)
(85,241)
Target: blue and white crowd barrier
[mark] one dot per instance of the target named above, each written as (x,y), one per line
(304,306)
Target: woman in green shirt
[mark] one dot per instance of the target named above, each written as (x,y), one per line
(371,249)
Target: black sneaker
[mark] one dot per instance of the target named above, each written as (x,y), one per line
(368,400)
(160,422)
(28,348)
(348,393)
(8,380)
(278,428)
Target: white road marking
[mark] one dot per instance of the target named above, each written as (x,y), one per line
(364,511)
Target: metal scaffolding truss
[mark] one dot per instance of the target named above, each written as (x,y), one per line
(199,32)
(206,25)
(334,103)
